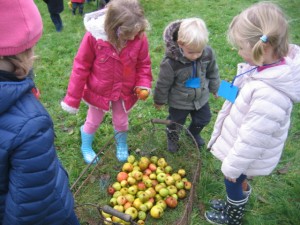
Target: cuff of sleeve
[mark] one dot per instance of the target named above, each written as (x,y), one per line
(68,108)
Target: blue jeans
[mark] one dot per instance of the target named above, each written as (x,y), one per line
(235,190)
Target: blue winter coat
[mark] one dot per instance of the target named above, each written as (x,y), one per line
(33,184)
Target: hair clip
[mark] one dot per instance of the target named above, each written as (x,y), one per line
(264,38)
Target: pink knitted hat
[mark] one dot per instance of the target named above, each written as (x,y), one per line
(21,26)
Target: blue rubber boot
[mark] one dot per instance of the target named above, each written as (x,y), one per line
(122,147)
(86,147)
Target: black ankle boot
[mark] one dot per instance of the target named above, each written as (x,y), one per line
(232,214)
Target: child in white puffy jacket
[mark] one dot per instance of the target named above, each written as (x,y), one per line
(252,126)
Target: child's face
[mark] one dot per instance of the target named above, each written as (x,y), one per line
(190,53)
(245,51)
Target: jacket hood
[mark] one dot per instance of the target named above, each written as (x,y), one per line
(11,92)
(94,23)
(285,78)
(170,36)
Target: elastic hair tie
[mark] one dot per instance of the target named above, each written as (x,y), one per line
(264,38)
(118,32)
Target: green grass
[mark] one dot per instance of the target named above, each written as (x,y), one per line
(275,198)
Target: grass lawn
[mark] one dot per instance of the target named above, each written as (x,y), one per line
(275,198)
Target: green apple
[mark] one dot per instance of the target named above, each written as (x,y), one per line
(164,192)
(131,159)
(142,215)
(154,159)
(132,212)
(161,177)
(172,189)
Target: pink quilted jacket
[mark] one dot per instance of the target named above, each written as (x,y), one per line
(100,74)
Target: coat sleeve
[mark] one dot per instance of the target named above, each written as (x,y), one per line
(164,83)
(82,65)
(143,66)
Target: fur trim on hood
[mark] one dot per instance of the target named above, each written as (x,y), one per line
(94,23)
(170,36)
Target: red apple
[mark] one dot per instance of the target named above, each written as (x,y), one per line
(152,167)
(187,185)
(110,190)
(122,176)
(141,186)
(171,202)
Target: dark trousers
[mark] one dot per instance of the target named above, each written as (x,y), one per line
(55,17)
(200,117)
(235,190)
(76,5)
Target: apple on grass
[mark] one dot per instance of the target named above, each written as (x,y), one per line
(131,180)
(181,193)
(156,211)
(169,180)
(119,208)
(121,200)
(172,189)
(161,162)
(142,215)
(162,203)
(132,189)
(179,184)
(127,167)
(122,176)
(127,205)
(171,202)
(131,159)
(164,192)
(187,185)
(117,186)
(132,212)
(117,194)
(143,207)
(110,190)
(154,159)
(161,177)
(144,163)
(143,196)
(181,172)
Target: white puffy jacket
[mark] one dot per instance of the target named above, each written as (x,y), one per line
(249,135)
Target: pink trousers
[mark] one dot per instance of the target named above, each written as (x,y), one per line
(95,117)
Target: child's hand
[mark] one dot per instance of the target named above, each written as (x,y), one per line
(233,180)
(141,93)
(158,106)
(215,95)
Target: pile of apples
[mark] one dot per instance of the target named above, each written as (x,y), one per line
(146,185)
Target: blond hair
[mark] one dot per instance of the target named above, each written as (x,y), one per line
(21,62)
(193,33)
(261,20)
(124,18)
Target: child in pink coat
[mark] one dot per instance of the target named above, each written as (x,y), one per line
(111,64)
